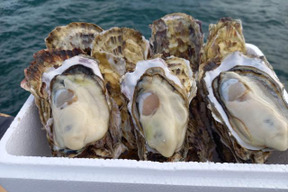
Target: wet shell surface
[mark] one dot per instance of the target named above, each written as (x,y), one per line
(180,35)
(74,35)
(79,116)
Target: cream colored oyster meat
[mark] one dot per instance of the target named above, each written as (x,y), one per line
(264,126)
(79,107)
(163,113)
(251,101)
(80,111)
(163,124)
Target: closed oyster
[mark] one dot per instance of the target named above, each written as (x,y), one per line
(180,35)
(120,49)
(117,51)
(74,35)
(249,105)
(224,38)
(80,118)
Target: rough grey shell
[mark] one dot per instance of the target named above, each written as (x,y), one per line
(74,35)
(180,35)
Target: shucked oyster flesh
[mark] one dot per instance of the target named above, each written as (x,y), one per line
(159,108)
(83,120)
(75,122)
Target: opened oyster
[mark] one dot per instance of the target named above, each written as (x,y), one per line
(74,35)
(247,101)
(224,38)
(180,35)
(159,108)
(159,105)
(80,118)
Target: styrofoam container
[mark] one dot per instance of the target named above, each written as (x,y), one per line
(26,165)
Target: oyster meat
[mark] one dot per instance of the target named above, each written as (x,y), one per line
(80,117)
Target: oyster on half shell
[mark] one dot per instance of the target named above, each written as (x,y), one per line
(159,95)
(249,105)
(158,105)
(80,118)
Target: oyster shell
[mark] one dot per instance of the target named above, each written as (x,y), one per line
(249,105)
(80,118)
(74,35)
(180,35)
(124,45)
(117,51)
(181,68)
(224,38)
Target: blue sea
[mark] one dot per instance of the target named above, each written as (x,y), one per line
(24,25)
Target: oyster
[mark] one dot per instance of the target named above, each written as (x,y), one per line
(249,104)
(117,51)
(120,49)
(159,106)
(80,118)
(74,35)
(224,38)
(235,77)
(180,35)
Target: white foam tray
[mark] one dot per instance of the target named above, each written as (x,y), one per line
(26,165)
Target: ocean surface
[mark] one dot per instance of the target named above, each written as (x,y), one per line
(24,25)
